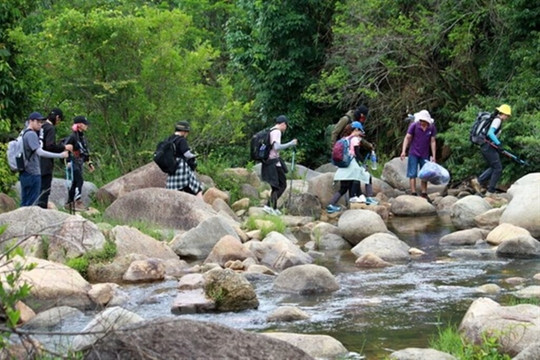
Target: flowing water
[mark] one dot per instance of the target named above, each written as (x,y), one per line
(375,311)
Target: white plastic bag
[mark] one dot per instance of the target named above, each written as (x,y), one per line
(434,173)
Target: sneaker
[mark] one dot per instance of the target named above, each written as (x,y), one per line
(333,208)
(425,196)
(267,209)
(358,199)
(371,201)
(277,212)
(476,185)
(79,206)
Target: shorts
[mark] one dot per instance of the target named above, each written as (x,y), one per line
(413,164)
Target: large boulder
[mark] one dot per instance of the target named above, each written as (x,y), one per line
(278,252)
(59,192)
(464,237)
(524,208)
(395,174)
(191,340)
(420,354)
(386,246)
(465,209)
(318,346)
(323,187)
(355,225)
(519,246)
(147,176)
(229,248)
(515,327)
(229,290)
(306,279)
(168,208)
(197,243)
(408,205)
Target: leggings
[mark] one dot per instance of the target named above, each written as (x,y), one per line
(280,189)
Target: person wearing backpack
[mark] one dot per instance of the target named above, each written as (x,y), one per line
(421,138)
(47,138)
(30,177)
(274,169)
(490,152)
(184,178)
(79,156)
(347,176)
(359,114)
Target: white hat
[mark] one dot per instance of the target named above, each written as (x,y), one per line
(423,115)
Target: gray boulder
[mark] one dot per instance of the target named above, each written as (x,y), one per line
(521,246)
(306,279)
(524,208)
(229,290)
(386,246)
(464,210)
(408,205)
(191,340)
(420,354)
(464,237)
(356,225)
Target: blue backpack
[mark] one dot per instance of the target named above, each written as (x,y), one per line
(340,153)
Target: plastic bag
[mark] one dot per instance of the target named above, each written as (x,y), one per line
(434,173)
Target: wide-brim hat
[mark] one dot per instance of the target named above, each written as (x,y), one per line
(423,115)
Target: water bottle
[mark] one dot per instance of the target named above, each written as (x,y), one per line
(373,160)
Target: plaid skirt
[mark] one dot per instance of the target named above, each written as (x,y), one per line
(184,178)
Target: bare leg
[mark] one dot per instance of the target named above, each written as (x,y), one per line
(412,182)
(423,187)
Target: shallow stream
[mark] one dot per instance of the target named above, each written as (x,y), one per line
(375,311)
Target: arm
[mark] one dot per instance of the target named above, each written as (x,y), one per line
(48,154)
(279,146)
(406,143)
(433,145)
(49,143)
(188,155)
(366,144)
(491,135)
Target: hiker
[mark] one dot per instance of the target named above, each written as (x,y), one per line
(47,137)
(184,178)
(360,115)
(75,165)
(274,169)
(421,138)
(354,172)
(30,178)
(490,151)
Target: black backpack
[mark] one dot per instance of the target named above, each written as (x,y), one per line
(480,128)
(165,155)
(260,145)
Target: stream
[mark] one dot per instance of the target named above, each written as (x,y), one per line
(376,311)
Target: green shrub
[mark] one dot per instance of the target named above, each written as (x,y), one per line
(82,263)
(276,224)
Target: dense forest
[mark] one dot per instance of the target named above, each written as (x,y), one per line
(136,67)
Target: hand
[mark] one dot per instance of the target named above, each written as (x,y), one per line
(91,167)
(402,156)
(295,142)
(65,154)
(68,147)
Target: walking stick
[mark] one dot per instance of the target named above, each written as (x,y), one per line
(508,154)
(69,182)
(292,175)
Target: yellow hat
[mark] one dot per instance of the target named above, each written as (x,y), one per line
(505,109)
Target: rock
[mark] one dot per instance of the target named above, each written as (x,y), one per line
(192,301)
(191,340)
(395,174)
(278,252)
(490,219)
(229,248)
(524,208)
(303,204)
(529,353)
(521,246)
(197,243)
(229,290)
(464,237)
(306,279)
(53,316)
(530,292)
(408,205)
(386,246)
(213,193)
(7,204)
(515,327)
(318,346)
(464,210)
(370,260)
(147,270)
(182,211)
(287,314)
(356,225)
(420,354)
(505,232)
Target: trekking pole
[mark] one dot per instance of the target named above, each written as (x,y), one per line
(69,181)
(292,175)
(508,154)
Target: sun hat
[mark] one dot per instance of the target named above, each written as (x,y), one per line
(423,115)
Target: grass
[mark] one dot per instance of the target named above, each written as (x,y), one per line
(271,223)
(81,264)
(449,340)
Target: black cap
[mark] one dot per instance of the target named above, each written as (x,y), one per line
(182,126)
(81,120)
(282,119)
(361,110)
(36,116)
(56,112)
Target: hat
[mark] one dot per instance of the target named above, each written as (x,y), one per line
(36,116)
(56,112)
(182,126)
(81,120)
(282,119)
(357,125)
(423,115)
(361,110)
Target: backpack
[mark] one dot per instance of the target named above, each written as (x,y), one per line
(165,155)
(260,145)
(16,154)
(335,130)
(480,128)
(341,156)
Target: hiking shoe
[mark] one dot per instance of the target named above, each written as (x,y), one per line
(476,185)
(277,212)
(333,208)
(425,196)
(371,201)
(79,206)
(267,209)
(358,199)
